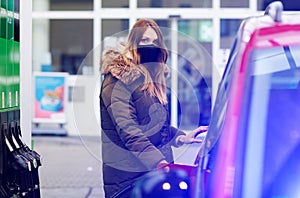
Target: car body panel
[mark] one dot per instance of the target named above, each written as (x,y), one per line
(238,164)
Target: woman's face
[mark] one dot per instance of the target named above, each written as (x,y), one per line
(149,37)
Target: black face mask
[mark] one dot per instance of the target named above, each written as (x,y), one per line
(149,53)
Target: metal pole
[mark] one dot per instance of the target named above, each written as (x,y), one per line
(174,72)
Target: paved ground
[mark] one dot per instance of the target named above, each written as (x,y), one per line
(71,167)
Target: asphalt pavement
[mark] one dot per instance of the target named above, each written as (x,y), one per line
(71,166)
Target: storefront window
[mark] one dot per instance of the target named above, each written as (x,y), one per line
(60,46)
(175,4)
(194,65)
(194,48)
(115,4)
(288,5)
(234,3)
(70,45)
(229,28)
(114,31)
(44,5)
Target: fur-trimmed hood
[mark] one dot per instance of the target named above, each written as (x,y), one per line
(114,63)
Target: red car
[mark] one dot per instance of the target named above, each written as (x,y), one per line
(252,148)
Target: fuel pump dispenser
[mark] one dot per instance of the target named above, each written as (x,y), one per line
(19,164)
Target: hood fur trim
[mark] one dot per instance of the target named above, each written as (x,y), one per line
(114,63)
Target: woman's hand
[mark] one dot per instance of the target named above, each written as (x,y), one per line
(163,165)
(191,137)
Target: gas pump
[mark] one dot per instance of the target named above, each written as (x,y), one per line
(19,164)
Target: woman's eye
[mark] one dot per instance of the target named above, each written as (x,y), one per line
(156,42)
(144,40)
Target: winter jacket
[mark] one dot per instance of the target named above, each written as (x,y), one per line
(136,133)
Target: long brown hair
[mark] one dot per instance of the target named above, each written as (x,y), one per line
(157,86)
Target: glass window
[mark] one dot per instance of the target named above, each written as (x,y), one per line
(59,45)
(44,5)
(113,26)
(279,86)
(218,114)
(115,4)
(234,3)
(194,70)
(290,5)
(195,49)
(229,28)
(114,31)
(200,30)
(175,4)
(69,44)
(261,4)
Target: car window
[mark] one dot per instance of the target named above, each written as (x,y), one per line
(295,54)
(218,114)
(228,69)
(270,60)
(207,154)
(273,116)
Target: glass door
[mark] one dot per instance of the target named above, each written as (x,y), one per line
(189,86)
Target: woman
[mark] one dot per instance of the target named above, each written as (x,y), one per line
(136,132)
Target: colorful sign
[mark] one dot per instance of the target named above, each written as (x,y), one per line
(49,97)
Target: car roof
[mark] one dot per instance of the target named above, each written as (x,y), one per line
(265,32)
(274,28)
